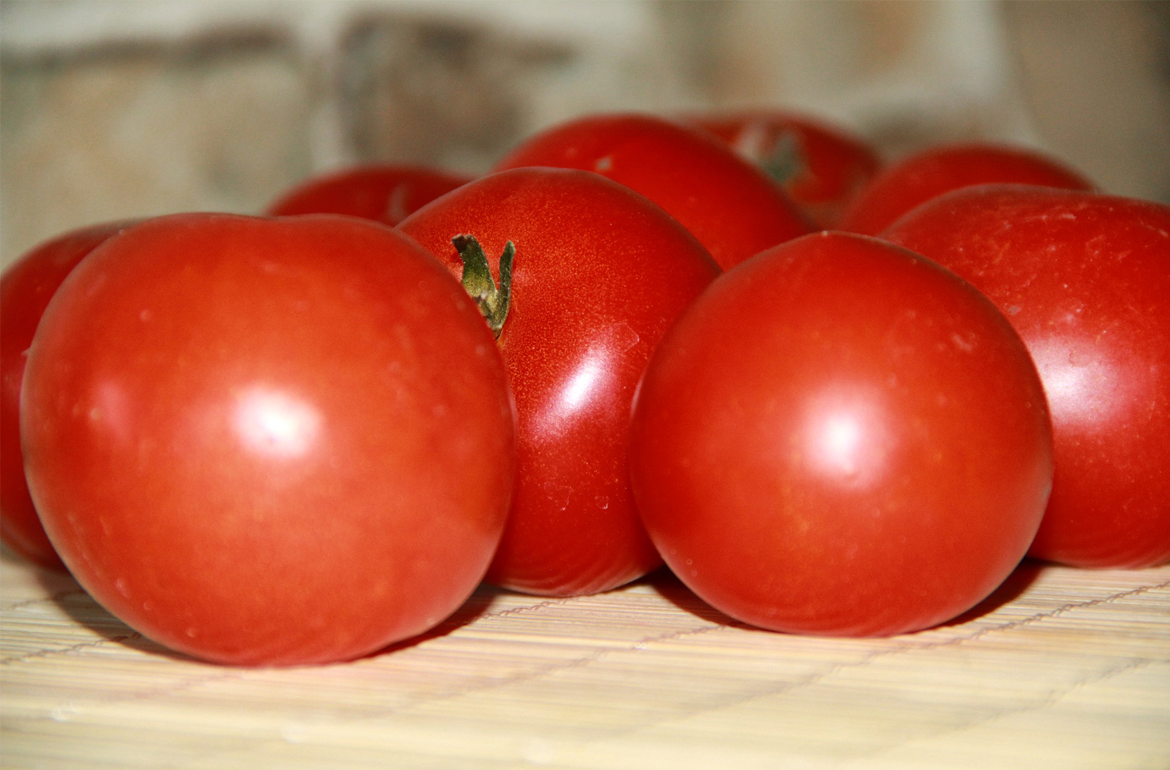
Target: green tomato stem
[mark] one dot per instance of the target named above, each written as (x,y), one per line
(784,162)
(493,301)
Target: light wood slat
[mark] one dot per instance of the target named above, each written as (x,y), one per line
(1062,669)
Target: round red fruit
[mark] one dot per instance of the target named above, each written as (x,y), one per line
(598,275)
(383,193)
(927,174)
(730,205)
(822,167)
(25,290)
(268,441)
(840,437)
(1085,279)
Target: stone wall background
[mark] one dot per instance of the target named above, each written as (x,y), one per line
(127,108)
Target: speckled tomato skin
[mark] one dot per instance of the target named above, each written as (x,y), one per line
(599,275)
(839,437)
(25,291)
(268,441)
(730,205)
(1085,279)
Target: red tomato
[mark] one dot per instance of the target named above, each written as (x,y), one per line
(268,441)
(937,170)
(599,274)
(384,193)
(822,167)
(1085,279)
(25,290)
(840,437)
(731,206)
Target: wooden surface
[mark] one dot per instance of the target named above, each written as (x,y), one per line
(1061,669)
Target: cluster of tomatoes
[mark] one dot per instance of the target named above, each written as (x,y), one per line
(833,396)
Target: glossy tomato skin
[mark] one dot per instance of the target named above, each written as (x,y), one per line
(880,456)
(824,167)
(732,207)
(268,441)
(25,290)
(917,178)
(1085,279)
(386,193)
(599,274)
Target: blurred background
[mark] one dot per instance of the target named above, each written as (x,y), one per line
(130,108)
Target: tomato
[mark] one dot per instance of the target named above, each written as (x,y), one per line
(840,437)
(822,167)
(731,206)
(1085,279)
(598,275)
(25,290)
(268,441)
(384,193)
(936,170)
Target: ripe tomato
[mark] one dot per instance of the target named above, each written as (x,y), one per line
(732,207)
(25,290)
(822,167)
(1085,279)
(268,441)
(934,171)
(840,437)
(599,274)
(384,193)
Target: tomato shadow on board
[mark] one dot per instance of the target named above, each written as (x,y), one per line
(673,590)
(8,556)
(471,610)
(1015,585)
(1012,588)
(64,591)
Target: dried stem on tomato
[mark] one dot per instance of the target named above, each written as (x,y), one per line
(493,301)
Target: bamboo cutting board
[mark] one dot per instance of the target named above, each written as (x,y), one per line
(1062,668)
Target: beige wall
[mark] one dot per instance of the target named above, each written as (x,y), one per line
(111,108)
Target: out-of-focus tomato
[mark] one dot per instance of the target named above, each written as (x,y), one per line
(25,290)
(732,207)
(268,441)
(924,175)
(822,167)
(599,273)
(383,193)
(840,437)
(1085,279)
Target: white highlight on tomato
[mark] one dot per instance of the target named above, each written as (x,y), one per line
(839,437)
(844,437)
(577,391)
(1081,383)
(275,423)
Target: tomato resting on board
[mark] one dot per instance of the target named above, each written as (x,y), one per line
(821,167)
(1085,279)
(384,193)
(840,437)
(730,205)
(927,174)
(598,275)
(25,290)
(268,441)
